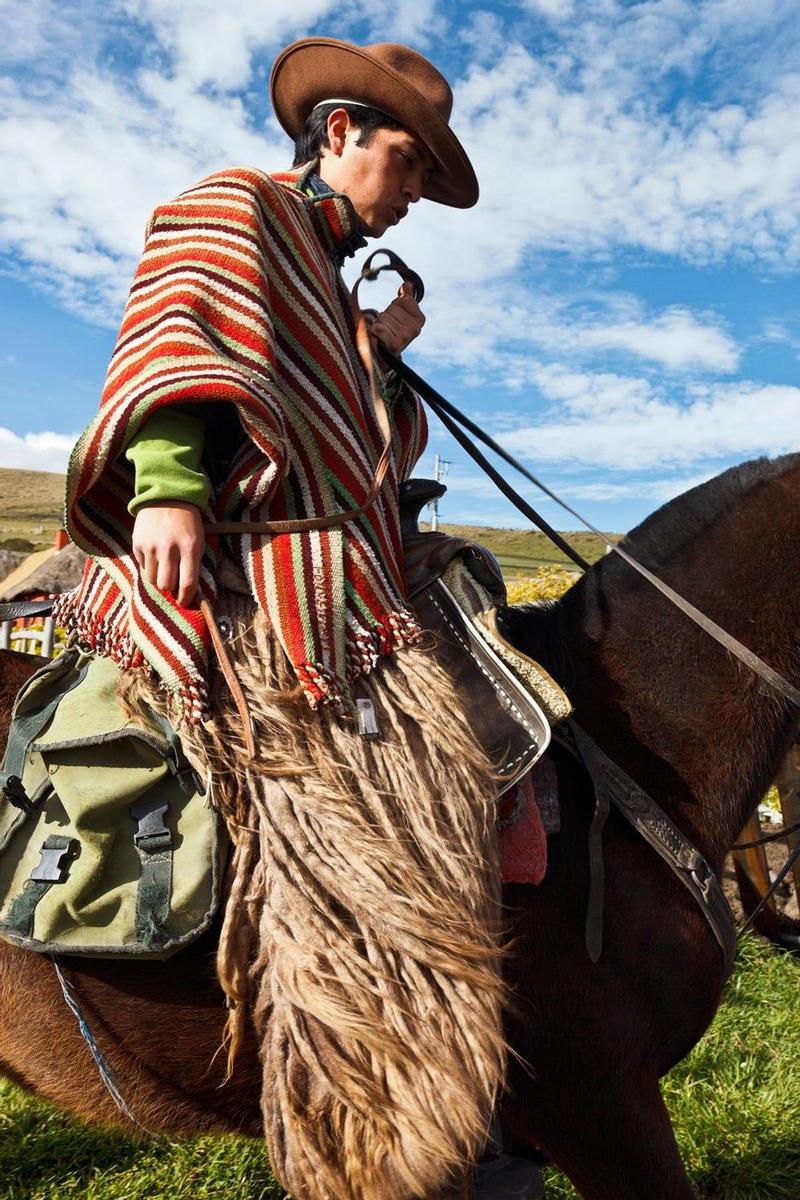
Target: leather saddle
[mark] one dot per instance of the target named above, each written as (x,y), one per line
(455,586)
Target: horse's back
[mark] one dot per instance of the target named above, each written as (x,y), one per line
(15,668)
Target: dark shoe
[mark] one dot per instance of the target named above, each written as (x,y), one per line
(506,1177)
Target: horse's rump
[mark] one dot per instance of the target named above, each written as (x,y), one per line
(363,922)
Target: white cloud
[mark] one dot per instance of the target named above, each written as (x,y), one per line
(558,10)
(45,451)
(85,165)
(674,338)
(476,500)
(485,35)
(214,43)
(659,489)
(416,22)
(51,32)
(621,424)
(596,173)
(572,156)
(488,327)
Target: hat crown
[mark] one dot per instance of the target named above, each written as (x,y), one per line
(417,73)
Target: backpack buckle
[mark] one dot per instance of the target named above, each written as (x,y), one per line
(14,792)
(151,828)
(56,855)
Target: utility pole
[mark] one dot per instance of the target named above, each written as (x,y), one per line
(441,467)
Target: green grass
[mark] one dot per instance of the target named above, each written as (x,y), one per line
(735,1103)
(46,1155)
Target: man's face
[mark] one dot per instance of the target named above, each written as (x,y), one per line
(381,179)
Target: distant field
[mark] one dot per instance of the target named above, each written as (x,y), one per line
(520,552)
(31,504)
(31,511)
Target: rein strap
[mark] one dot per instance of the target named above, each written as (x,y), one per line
(448,414)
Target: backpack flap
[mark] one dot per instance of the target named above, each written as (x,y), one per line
(140,873)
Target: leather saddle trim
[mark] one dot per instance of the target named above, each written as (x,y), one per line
(508,721)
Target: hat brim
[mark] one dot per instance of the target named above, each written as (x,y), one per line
(314,69)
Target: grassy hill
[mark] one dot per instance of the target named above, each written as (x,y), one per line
(520,552)
(31,511)
(31,504)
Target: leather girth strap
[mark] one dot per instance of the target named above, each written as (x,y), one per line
(614,786)
(18,610)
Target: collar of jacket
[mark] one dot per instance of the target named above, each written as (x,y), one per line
(334,217)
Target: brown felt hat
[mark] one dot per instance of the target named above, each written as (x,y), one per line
(386,76)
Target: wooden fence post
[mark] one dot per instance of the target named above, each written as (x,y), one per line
(752,875)
(788,785)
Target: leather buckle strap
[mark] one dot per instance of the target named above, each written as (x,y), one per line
(230,677)
(659,831)
(57,853)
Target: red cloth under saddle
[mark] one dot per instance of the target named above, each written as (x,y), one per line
(521,832)
(521,836)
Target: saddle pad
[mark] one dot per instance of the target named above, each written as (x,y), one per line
(526,814)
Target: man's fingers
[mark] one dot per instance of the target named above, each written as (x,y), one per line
(168,542)
(408,304)
(188,577)
(167,576)
(150,565)
(386,324)
(398,325)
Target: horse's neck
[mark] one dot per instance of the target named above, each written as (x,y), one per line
(695,727)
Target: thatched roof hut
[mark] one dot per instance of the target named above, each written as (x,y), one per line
(45,572)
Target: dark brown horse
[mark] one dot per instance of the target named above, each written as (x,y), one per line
(701,733)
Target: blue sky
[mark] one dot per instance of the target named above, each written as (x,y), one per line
(621,309)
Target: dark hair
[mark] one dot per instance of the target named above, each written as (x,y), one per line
(314,134)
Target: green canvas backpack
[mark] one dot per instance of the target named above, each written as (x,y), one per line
(108,845)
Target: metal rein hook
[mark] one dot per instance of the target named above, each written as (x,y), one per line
(396,264)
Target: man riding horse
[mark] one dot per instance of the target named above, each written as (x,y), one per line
(247,460)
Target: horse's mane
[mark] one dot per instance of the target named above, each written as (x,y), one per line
(539,628)
(661,535)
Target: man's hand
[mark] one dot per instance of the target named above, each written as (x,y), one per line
(168,543)
(400,323)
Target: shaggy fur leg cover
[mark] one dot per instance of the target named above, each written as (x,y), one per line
(374,976)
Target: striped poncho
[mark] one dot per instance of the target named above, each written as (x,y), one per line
(237,299)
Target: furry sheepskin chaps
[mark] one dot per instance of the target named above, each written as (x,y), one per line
(362,927)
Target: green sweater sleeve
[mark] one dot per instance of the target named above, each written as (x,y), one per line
(167,457)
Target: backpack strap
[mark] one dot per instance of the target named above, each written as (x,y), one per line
(25,729)
(53,867)
(153,842)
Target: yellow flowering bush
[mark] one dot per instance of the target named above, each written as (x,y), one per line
(548,583)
